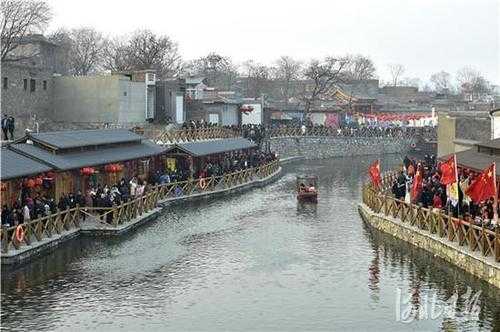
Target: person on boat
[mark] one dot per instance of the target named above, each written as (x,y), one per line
(302,187)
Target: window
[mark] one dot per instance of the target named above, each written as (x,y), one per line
(25,83)
(5,83)
(32,85)
(45,85)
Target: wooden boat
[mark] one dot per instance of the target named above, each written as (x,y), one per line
(307,188)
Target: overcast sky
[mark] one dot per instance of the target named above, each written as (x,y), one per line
(425,36)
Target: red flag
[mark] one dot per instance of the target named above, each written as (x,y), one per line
(484,186)
(449,171)
(416,186)
(374,172)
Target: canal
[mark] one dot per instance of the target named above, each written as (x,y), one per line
(256,261)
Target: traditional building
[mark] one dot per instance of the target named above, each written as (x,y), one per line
(83,157)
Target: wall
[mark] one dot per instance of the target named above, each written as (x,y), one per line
(327,147)
(482,267)
(446,134)
(108,99)
(25,105)
(133,105)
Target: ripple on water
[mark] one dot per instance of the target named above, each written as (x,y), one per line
(256,261)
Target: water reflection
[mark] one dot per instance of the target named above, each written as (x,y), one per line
(259,261)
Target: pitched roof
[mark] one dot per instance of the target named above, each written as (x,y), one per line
(15,165)
(80,138)
(494,144)
(205,148)
(79,159)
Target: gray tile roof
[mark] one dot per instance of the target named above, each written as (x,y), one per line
(15,165)
(205,148)
(474,160)
(75,160)
(79,138)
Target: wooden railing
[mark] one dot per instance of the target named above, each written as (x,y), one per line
(190,135)
(40,229)
(125,212)
(44,228)
(209,184)
(434,221)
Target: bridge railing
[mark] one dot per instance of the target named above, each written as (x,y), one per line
(434,221)
(190,135)
(39,229)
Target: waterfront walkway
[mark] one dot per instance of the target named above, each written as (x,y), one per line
(473,248)
(42,234)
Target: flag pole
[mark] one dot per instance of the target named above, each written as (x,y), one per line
(458,184)
(495,200)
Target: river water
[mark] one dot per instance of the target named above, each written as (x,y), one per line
(255,261)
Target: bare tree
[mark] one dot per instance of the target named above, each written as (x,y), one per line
(324,76)
(257,78)
(217,69)
(360,68)
(83,47)
(471,81)
(149,51)
(441,81)
(286,72)
(116,55)
(396,71)
(19,19)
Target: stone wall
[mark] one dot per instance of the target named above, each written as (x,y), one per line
(327,147)
(482,267)
(26,105)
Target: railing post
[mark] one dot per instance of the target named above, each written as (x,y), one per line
(496,244)
(5,239)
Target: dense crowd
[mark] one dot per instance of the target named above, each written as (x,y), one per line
(98,195)
(435,195)
(257,133)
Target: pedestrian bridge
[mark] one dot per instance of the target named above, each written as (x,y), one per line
(164,137)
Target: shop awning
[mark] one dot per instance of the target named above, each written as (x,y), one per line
(205,148)
(73,160)
(15,165)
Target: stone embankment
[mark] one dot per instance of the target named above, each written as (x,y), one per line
(472,248)
(311,147)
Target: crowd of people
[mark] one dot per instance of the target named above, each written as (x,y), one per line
(433,194)
(31,206)
(257,132)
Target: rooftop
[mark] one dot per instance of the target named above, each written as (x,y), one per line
(81,138)
(15,165)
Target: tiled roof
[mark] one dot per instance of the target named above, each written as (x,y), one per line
(205,148)
(81,138)
(15,165)
(73,160)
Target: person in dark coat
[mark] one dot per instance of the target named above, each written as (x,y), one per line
(5,127)
(11,127)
